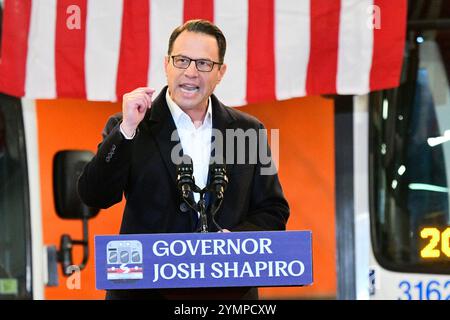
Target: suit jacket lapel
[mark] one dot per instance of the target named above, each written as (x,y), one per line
(222,120)
(162,127)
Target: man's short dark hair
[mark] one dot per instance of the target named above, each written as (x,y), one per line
(201,26)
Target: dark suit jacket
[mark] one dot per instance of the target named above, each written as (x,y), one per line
(142,169)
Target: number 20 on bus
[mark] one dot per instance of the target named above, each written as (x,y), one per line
(432,249)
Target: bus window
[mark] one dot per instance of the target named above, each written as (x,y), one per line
(410,162)
(15,277)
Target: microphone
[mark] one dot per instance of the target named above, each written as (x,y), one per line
(185,178)
(219,179)
(218,185)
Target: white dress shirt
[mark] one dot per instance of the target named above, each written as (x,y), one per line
(196,142)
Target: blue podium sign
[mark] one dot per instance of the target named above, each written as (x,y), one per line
(192,260)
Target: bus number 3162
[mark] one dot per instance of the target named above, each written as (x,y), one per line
(424,290)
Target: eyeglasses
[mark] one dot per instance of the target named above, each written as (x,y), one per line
(202,65)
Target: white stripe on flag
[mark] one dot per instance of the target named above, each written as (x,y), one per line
(355,47)
(165,16)
(103,34)
(231,16)
(40,70)
(292,47)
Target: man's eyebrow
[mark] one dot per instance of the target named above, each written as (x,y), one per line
(185,56)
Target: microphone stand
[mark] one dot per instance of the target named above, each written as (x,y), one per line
(199,207)
(202,211)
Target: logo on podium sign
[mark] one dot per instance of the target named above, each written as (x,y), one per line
(124,260)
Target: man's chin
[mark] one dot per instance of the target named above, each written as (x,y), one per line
(188,104)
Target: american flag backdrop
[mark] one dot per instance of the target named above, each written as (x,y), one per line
(276,49)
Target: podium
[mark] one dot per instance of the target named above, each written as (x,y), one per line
(201,260)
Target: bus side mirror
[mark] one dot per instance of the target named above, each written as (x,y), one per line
(67,168)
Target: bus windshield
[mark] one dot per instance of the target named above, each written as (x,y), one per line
(15,266)
(410,162)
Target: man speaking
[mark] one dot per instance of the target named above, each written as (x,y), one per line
(136,157)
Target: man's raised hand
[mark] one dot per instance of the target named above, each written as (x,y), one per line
(134,106)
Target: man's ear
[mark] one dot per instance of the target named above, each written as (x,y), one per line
(222,70)
(166,62)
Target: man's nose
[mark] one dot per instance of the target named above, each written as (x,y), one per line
(191,71)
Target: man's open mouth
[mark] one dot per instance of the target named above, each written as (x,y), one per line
(188,88)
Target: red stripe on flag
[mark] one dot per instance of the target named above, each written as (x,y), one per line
(69,48)
(323,57)
(388,44)
(260,51)
(198,9)
(134,47)
(16,25)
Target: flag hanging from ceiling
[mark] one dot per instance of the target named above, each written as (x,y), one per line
(276,49)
